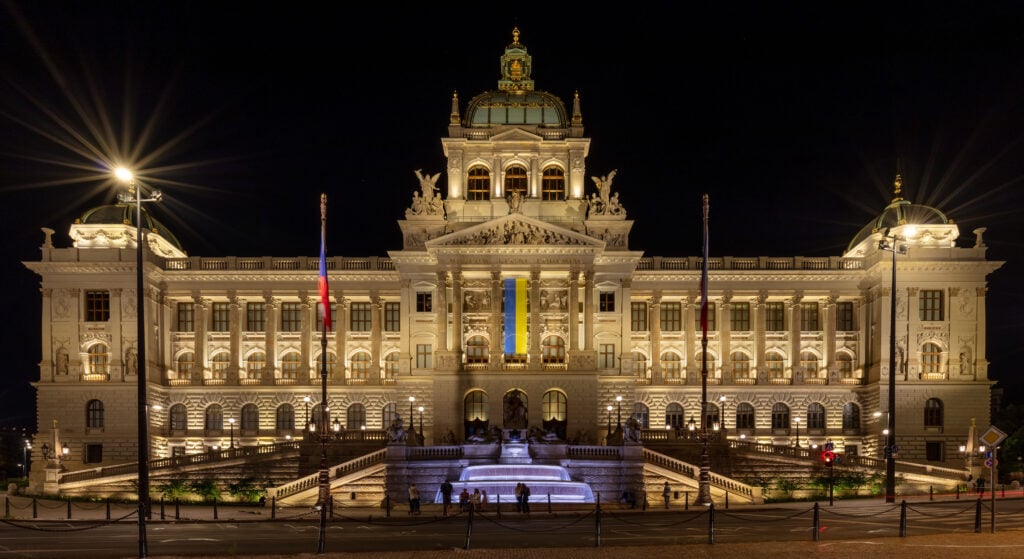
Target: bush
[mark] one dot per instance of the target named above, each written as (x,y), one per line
(246,490)
(173,490)
(207,489)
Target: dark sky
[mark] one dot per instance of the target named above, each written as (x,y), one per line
(792,117)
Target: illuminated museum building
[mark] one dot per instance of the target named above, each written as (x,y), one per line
(798,348)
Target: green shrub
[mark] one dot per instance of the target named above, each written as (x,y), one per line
(207,489)
(173,490)
(245,490)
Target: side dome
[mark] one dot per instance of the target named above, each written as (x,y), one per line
(113,226)
(931,227)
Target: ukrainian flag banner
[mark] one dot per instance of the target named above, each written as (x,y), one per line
(515,316)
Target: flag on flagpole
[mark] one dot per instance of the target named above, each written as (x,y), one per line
(704,275)
(325,294)
(515,316)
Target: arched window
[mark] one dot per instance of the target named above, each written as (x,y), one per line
(285,420)
(714,417)
(851,417)
(360,365)
(355,417)
(776,365)
(780,416)
(315,419)
(186,364)
(642,414)
(290,365)
(94,414)
(478,183)
(744,416)
(816,416)
(179,417)
(712,366)
(553,184)
(250,418)
(475,413)
(640,369)
(553,406)
(844,363)
(516,180)
(388,414)
(674,415)
(931,359)
(933,413)
(478,350)
(672,366)
(219,366)
(391,367)
(740,364)
(99,359)
(553,348)
(214,418)
(809,361)
(332,360)
(255,364)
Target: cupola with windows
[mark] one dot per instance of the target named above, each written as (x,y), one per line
(113,226)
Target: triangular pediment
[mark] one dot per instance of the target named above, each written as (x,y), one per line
(515,135)
(515,229)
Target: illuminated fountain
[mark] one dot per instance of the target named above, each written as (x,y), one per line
(499,481)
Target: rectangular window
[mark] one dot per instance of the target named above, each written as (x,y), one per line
(256,317)
(186,317)
(606,356)
(97,306)
(361,317)
(638,316)
(392,317)
(711,317)
(931,305)
(93,453)
(220,317)
(774,317)
(424,356)
(844,316)
(739,317)
(671,317)
(424,301)
(606,301)
(809,317)
(933,451)
(291,317)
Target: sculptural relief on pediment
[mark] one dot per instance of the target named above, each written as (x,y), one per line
(512,232)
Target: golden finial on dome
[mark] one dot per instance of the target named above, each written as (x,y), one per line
(897,188)
(515,35)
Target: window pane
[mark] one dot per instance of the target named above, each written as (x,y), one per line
(97,306)
(739,317)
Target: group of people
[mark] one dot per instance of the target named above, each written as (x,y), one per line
(522,498)
(476,501)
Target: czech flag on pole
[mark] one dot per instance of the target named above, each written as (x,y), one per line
(325,294)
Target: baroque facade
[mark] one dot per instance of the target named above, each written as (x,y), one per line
(797,348)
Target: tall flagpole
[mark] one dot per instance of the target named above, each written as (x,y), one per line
(325,302)
(704,487)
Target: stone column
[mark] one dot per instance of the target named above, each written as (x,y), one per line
(236,319)
(201,309)
(757,316)
(497,332)
(654,325)
(588,311)
(441,310)
(794,332)
(535,355)
(340,335)
(376,337)
(574,314)
(457,333)
(828,314)
(978,362)
(273,314)
(308,328)
(692,337)
(725,335)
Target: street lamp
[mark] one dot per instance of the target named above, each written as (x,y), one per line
(55,455)
(891,242)
(618,412)
(609,419)
(306,399)
(721,399)
(421,421)
(231,422)
(797,421)
(336,426)
(24,464)
(411,400)
(134,195)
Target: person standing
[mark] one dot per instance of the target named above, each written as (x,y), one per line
(446,496)
(414,499)
(526,499)
(519,497)
(474,500)
(483,499)
(464,500)
(666,493)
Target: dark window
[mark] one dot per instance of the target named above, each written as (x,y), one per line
(388,414)
(934,450)
(642,414)
(255,317)
(179,417)
(250,417)
(424,301)
(845,365)
(851,417)
(674,415)
(285,417)
(606,356)
(739,317)
(606,301)
(933,413)
(186,317)
(780,416)
(220,317)
(844,317)
(355,418)
(740,365)
(774,317)
(809,317)
(671,317)
(553,184)
(361,317)
(97,306)
(815,416)
(359,365)
(214,418)
(93,453)
(392,317)
(931,305)
(94,414)
(291,317)
(424,356)
(744,416)
(478,184)
(638,316)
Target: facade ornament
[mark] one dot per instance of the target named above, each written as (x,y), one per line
(603,202)
(426,201)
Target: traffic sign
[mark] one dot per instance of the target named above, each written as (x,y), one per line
(992,437)
(988,463)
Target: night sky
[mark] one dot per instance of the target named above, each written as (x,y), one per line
(793,119)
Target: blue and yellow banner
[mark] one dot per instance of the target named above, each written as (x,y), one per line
(515,316)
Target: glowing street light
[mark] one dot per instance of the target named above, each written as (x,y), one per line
(891,242)
(618,413)
(231,421)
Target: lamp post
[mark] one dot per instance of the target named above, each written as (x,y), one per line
(306,399)
(891,242)
(24,464)
(609,419)
(618,412)
(797,421)
(721,400)
(411,400)
(134,195)
(421,420)
(231,422)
